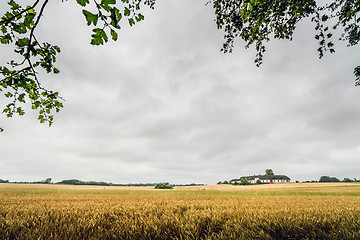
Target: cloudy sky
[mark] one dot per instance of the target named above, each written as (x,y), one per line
(164,104)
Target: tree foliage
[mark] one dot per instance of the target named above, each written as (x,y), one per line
(254,21)
(328,179)
(20,78)
(257,21)
(4,181)
(244,181)
(348,180)
(79,182)
(269,172)
(163,186)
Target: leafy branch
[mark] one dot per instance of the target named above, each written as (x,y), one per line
(19,80)
(256,21)
(110,16)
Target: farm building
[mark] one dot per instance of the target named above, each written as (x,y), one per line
(264,179)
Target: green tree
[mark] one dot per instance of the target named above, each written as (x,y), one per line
(71,182)
(163,186)
(328,179)
(235,183)
(335,179)
(47,181)
(269,172)
(347,180)
(325,179)
(254,21)
(244,181)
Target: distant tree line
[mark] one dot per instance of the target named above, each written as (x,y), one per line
(95,183)
(46,181)
(335,179)
(79,182)
(243,181)
(188,185)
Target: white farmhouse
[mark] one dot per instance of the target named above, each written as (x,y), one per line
(264,179)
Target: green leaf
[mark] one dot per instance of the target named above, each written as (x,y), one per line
(140,17)
(90,17)
(58,104)
(31,11)
(55,70)
(3,29)
(324,18)
(114,35)
(57,49)
(105,7)
(357,71)
(22,42)
(21,98)
(5,39)
(82,2)
(51,118)
(1,129)
(19,28)
(29,17)
(126,11)
(118,14)
(20,111)
(14,5)
(115,17)
(330,44)
(99,37)
(131,22)
(35,105)
(107,2)
(9,15)
(8,94)
(41,118)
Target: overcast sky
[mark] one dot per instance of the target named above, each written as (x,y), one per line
(164,104)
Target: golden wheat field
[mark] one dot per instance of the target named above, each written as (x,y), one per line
(277,211)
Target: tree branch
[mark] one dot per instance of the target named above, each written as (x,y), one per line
(7,21)
(35,25)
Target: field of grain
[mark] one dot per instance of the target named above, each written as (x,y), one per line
(277,211)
